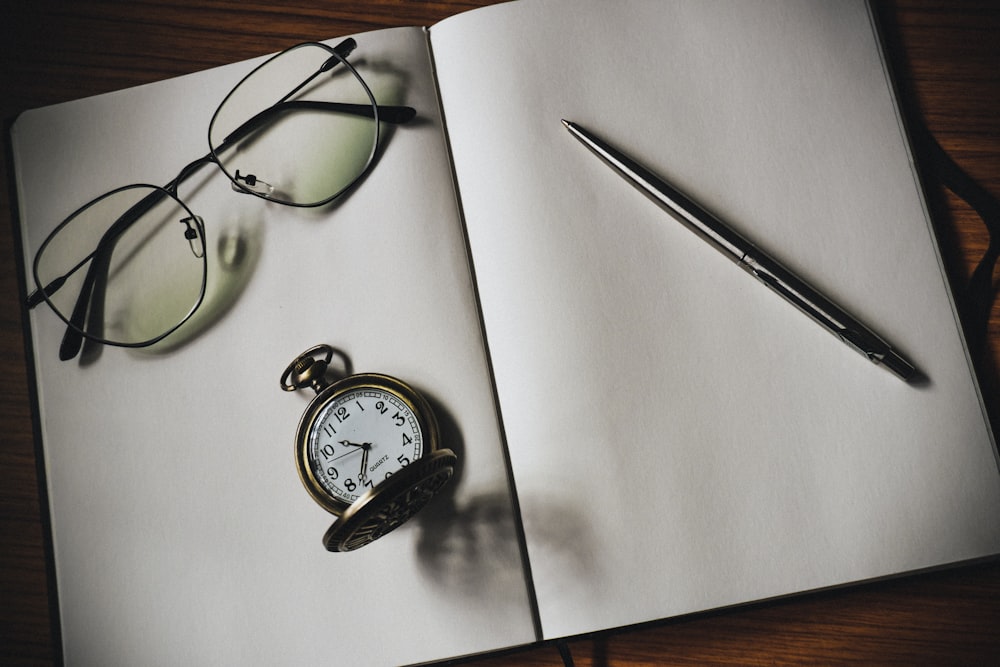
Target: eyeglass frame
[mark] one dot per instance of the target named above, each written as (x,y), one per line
(99,259)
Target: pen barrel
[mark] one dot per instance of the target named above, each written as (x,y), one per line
(737,248)
(794,290)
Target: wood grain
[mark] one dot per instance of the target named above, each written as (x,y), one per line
(947,56)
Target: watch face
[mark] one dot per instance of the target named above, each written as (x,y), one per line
(359,438)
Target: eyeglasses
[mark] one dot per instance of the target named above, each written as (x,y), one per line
(103,270)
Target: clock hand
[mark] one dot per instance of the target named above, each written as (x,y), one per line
(363,477)
(353,451)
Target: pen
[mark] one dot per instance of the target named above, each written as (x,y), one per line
(751,259)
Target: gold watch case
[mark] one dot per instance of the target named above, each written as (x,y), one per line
(390,503)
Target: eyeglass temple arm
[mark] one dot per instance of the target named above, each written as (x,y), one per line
(396,115)
(89,305)
(345,48)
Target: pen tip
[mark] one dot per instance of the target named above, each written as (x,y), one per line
(565,123)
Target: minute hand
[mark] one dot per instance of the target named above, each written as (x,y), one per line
(756,262)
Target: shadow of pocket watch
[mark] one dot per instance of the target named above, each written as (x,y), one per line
(367,450)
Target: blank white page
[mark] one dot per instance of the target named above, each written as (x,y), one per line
(182,534)
(681,438)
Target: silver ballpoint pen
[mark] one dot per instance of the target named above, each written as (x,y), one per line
(752,259)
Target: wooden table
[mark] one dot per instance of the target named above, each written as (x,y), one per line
(947,57)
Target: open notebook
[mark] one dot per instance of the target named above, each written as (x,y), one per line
(643,430)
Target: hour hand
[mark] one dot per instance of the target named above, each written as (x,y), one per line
(363,445)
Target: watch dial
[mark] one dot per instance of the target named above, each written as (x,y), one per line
(360,438)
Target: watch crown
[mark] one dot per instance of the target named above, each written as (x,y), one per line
(310,373)
(307,371)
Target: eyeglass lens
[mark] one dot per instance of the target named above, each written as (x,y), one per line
(107,253)
(297,130)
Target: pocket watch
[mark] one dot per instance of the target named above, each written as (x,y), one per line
(367,449)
